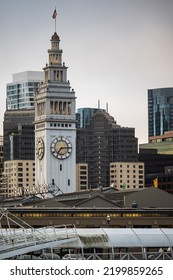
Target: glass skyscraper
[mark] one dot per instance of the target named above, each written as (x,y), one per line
(101,142)
(21,92)
(85,115)
(160,111)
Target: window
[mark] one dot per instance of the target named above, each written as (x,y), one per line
(82,167)
(68,182)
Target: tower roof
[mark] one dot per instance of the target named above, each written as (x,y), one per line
(55,37)
(106,116)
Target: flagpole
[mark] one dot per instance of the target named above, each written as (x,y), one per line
(54,17)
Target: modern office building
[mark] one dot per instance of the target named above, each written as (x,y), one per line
(157,154)
(85,115)
(160,111)
(104,141)
(19,141)
(157,165)
(18,125)
(21,92)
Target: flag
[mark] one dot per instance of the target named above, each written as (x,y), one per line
(54,14)
(155,182)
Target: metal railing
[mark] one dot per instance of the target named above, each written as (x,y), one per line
(23,235)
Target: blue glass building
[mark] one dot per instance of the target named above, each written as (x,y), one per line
(85,115)
(160,111)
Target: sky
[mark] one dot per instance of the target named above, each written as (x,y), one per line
(115,50)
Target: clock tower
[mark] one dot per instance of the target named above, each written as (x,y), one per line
(55,125)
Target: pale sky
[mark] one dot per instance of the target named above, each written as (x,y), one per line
(115,50)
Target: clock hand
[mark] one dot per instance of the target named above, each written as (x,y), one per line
(59,149)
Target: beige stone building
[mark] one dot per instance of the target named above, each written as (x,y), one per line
(127,175)
(1,164)
(81,176)
(19,176)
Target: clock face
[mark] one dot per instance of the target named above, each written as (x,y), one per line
(61,147)
(40,148)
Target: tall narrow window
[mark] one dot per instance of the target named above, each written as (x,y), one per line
(64,108)
(60,107)
(51,107)
(54,75)
(68,182)
(61,76)
(57,75)
(60,167)
(69,108)
(55,107)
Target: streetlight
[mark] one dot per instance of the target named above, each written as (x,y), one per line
(108,218)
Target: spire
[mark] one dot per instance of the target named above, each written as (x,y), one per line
(55,53)
(55,42)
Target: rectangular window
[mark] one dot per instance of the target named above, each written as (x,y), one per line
(82,167)
(68,182)
(60,167)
